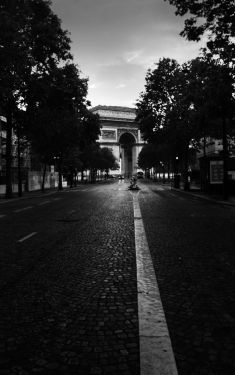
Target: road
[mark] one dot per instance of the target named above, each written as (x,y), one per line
(69,280)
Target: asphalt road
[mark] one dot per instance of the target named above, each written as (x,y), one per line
(68,280)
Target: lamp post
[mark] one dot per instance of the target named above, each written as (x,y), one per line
(176,177)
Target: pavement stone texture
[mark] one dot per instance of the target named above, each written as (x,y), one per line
(192,246)
(71,308)
(76,312)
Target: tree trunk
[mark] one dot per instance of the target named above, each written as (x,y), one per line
(185,172)
(19,163)
(225,160)
(43,177)
(9,156)
(60,185)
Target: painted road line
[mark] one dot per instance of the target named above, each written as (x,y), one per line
(156,354)
(26,237)
(2,216)
(56,199)
(46,202)
(23,209)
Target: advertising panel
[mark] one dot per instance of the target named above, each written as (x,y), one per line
(216,171)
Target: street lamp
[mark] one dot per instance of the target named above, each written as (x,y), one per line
(176,176)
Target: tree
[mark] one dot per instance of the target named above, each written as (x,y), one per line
(165,111)
(154,102)
(107,160)
(182,105)
(58,112)
(32,42)
(215,18)
(148,157)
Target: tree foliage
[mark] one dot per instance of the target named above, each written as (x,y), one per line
(214,17)
(148,157)
(32,42)
(37,74)
(183,103)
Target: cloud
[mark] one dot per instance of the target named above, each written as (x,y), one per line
(116,41)
(120,86)
(132,55)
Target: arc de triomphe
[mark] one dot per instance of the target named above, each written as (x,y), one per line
(121,133)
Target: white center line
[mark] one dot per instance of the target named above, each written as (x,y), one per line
(23,209)
(28,236)
(156,354)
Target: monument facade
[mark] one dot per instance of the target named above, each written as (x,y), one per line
(120,132)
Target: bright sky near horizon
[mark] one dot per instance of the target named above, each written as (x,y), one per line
(115,42)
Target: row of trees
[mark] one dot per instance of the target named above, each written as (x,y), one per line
(183,104)
(99,161)
(42,93)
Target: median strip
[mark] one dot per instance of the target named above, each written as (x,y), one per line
(156,354)
(27,237)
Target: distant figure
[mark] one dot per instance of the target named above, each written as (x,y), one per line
(133,183)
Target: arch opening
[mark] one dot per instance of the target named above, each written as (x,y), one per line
(127,141)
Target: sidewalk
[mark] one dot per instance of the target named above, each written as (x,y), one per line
(196,192)
(48,191)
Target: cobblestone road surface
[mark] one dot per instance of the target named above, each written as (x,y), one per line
(192,246)
(69,295)
(75,312)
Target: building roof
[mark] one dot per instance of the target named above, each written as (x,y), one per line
(115,113)
(113,108)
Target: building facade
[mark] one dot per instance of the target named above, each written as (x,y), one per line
(120,132)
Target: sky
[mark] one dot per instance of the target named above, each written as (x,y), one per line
(115,42)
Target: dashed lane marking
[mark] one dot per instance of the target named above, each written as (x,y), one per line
(156,354)
(27,237)
(2,216)
(45,202)
(23,209)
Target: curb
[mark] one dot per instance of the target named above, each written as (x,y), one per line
(38,193)
(213,200)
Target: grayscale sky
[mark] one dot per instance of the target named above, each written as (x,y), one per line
(114,42)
